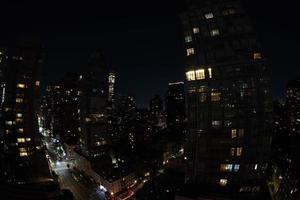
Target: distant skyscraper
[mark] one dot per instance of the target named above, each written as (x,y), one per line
(155,110)
(70,109)
(229,101)
(175,106)
(293,106)
(94,137)
(111,85)
(21,143)
(51,111)
(287,143)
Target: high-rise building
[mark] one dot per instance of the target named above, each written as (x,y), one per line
(51,111)
(70,109)
(60,110)
(175,106)
(93,97)
(156,115)
(229,100)
(23,156)
(111,85)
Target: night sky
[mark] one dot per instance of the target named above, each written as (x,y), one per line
(141,40)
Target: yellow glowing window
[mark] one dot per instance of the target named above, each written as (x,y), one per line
(23,152)
(232,151)
(239,151)
(223,182)
(19,100)
(20,85)
(200,74)
(257,56)
(28,139)
(196,30)
(241,132)
(226,167)
(190,75)
(190,51)
(233,133)
(215,96)
(20,130)
(37,83)
(19,114)
(21,140)
(209,72)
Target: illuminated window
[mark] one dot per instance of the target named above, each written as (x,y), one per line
(255,166)
(188,38)
(88,119)
(23,152)
(236,168)
(226,167)
(20,130)
(7,131)
(19,114)
(37,83)
(209,15)
(196,30)
(232,151)
(216,124)
(223,182)
(229,12)
(257,56)
(215,96)
(190,75)
(19,120)
(241,132)
(190,51)
(20,85)
(21,140)
(28,139)
(233,133)
(200,74)
(209,72)
(239,151)
(214,32)
(19,100)
(9,123)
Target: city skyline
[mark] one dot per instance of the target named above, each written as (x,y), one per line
(149,100)
(137,41)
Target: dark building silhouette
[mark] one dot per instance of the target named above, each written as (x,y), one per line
(229,101)
(51,109)
(22,153)
(175,106)
(93,97)
(70,109)
(157,117)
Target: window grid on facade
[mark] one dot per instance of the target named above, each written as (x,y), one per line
(215,96)
(190,51)
(200,74)
(190,75)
